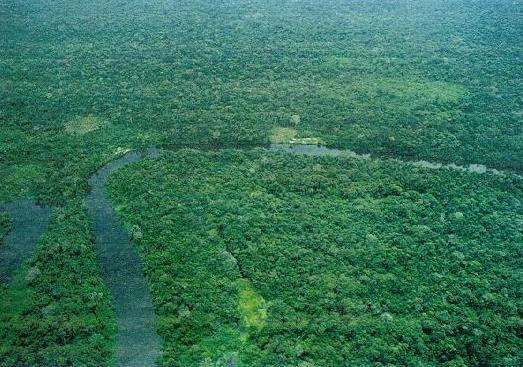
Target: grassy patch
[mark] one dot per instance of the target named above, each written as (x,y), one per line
(252,306)
(82,125)
(287,135)
(282,135)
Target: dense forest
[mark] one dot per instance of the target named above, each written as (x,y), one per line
(347,262)
(58,312)
(432,79)
(255,258)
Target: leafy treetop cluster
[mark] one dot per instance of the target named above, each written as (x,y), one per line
(348,262)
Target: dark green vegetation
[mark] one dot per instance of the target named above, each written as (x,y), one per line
(83,81)
(273,260)
(5,225)
(57,312)
(430,79)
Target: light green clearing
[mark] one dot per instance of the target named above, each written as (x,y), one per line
(407,90)
(84,124)
(287,135)
(251,305)
(282,135)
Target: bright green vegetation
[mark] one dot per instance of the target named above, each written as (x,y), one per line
(431,79)
(5,225)
(58,312)
(265,259)
(251,306)
(283,135)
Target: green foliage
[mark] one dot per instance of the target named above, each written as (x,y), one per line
(19,180)
(430,79)
(198,291)
(251,306)
(58,312)
(339,261)
(282,135)
(5,225)
(407,266)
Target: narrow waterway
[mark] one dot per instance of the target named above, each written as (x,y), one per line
(315,150)
(29,223)
(138,344)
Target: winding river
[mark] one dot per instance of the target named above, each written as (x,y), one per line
(138,344)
